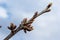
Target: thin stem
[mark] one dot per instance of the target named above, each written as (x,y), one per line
(29,21)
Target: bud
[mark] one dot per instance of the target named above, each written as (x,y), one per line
(35,15)
(12,26)
(24,21)
(49,5)
(28,25)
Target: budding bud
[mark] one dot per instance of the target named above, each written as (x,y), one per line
(49,5)
(24,21)
(35,15)
(12,26)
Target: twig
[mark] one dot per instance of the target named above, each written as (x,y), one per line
(26,25)
(11,34)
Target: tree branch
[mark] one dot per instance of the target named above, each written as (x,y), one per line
(26,25)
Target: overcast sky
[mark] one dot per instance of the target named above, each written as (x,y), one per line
(46,26)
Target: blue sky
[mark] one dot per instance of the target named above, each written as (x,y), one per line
(46,26)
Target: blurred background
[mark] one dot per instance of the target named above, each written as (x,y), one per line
(46,26)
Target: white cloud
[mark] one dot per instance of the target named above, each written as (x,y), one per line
(3,13)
